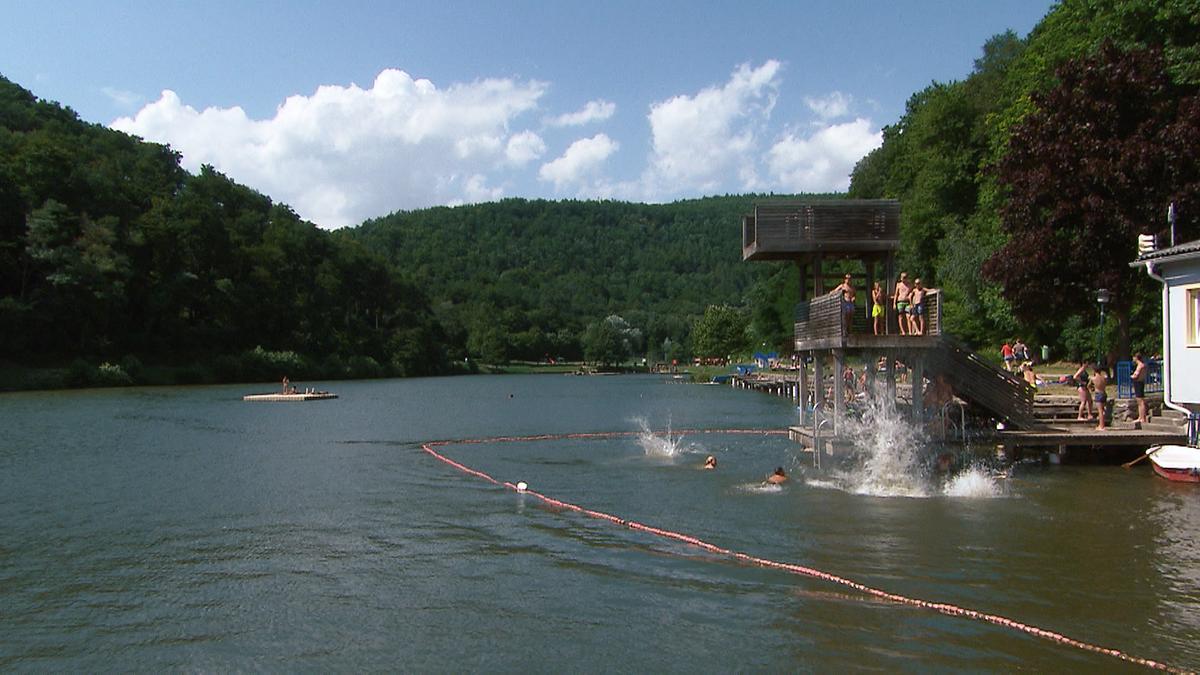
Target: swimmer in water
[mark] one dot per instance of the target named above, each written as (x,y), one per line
(710,462)
(945,462)
(777,478)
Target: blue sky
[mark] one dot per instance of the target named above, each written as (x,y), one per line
(355,109)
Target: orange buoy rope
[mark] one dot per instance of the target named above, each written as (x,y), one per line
(801,570)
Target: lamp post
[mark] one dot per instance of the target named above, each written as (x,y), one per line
(1102,298)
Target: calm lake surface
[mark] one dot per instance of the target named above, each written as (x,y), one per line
(184,529)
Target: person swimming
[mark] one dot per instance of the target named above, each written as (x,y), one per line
(778,477)
(710,462)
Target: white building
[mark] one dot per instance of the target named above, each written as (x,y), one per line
(1178,270)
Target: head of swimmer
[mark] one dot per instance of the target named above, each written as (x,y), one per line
(778,477)
(710,462)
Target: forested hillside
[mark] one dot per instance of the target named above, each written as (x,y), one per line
(523,279)
(1042,167)
(110,252)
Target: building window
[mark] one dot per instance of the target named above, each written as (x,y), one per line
(1191,313)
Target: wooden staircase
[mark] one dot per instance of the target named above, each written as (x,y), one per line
(1000,393)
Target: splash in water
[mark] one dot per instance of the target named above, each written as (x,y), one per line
(760,488)
(888,454)
(892,459)
(660,446)
(973,482)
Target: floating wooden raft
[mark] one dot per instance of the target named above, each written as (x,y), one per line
(299,396)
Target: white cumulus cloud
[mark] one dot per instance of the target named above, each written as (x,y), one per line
(344,153)
(595,111)
(581,161)
(477,190)
(822,161)
(831,106)
(524,147)
(701,142)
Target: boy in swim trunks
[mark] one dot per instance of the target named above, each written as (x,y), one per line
(877,308)
(916,310)
(900,302)
(1100,394)
(847,290)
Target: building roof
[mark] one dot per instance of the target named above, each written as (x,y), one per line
(1185,251)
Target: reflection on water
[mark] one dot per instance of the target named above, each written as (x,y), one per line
(1176,519)
(183,529)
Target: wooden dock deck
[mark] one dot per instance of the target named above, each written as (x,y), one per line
(1087,436)
(1056,429)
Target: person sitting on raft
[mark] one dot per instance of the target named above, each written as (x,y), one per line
(778,477)
(710,463)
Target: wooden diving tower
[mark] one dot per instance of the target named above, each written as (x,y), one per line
(863,235)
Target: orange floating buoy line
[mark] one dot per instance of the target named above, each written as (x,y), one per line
(800,570)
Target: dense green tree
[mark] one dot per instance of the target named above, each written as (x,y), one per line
(720,332)
(604,343)
(1095,164)
(940,159)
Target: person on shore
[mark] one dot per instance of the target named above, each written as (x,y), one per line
(1139,386)
(847,290)
(1099,382)
(877,313)
(1006,353)
(777,478)
(1085,395)
(710,463)
(900,302)
(916,310)
(1029,375)
(1020,352)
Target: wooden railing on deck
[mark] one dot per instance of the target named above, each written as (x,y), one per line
(819,318)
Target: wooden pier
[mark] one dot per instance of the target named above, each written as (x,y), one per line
(1055,429)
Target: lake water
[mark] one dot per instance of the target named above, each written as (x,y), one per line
(184,529)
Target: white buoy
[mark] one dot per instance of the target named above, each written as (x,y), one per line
(521,487)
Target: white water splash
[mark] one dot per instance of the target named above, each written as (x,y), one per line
(892,459)
(975,483)
(660,446)
(889,454)
(760,488)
